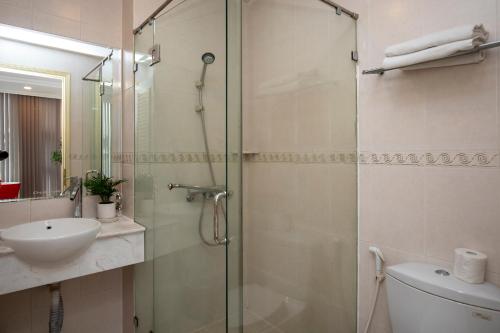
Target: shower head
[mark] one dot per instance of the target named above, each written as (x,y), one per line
(3,155)
(208,58)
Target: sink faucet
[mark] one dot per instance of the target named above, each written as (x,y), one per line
(75,194)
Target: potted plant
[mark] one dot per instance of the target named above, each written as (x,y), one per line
(104,187)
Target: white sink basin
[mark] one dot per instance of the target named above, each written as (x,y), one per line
(51,240)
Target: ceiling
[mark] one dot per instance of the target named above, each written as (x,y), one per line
(14,83)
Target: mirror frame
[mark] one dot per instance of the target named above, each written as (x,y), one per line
(65,114)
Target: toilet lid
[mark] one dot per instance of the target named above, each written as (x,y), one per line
(435,280)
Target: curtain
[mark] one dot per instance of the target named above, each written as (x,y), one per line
(10,169)
(39,140)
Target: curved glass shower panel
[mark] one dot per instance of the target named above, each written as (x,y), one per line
(183,163)
(300,222)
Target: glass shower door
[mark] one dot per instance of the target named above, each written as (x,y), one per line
(188,168)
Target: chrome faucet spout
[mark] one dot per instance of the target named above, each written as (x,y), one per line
(75,194)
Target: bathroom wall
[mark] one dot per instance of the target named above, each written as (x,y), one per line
(144,8)
(299,126)
(92,303)
(92,21)
(420,207)
(100,302)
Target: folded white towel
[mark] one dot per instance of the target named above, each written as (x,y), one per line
(468,59)
(434,53)
(438,38)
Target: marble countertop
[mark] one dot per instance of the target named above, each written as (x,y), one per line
(124,226)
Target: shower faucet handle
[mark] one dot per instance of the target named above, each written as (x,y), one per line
(217,237)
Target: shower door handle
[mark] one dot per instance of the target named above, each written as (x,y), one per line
(217,237)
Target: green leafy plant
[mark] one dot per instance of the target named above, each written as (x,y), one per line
(103,186)
(56,156)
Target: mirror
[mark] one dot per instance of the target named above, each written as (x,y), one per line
(33,111)
(56,113)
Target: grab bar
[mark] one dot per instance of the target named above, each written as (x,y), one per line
(217,237)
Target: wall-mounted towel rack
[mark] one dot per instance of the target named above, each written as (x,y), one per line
(479,48)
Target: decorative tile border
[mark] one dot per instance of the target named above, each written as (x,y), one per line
(461,159)
(185,157)
(79,157)
(128,158)
(457,159)
(303,158)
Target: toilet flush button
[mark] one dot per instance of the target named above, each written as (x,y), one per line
(442,272)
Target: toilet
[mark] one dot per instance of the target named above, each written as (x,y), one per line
(426,298)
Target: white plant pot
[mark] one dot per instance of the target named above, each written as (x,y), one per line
(106,210)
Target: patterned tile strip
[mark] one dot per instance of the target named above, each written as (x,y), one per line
(462,159)
(471,159)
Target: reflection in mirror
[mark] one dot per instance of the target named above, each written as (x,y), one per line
(53,124)
(32,132)
(97,107)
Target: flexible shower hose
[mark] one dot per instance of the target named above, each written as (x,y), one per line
(379,279)
(201,109)
(56,317)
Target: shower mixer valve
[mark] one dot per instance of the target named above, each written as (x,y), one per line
(217,193)
(208,192)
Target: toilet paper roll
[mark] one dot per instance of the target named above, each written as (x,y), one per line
(470,265)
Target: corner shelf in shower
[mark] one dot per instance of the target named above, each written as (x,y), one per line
(482,47)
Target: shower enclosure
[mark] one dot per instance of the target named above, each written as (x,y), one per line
(188,167)
(250,212)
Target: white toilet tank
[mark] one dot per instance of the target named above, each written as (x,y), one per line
(426,298)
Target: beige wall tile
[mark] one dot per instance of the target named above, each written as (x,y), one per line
(13,213)
(101,34)
(128,120)
(96,23)
(90,205)
(128,190)
(56,25)
(51,208)
(19,3)
(128,299)
(395,112)
(462,211)
(15,312)
(12,14)
(392,207)
(424,213)
(80,19)
(69,9)
(91,304)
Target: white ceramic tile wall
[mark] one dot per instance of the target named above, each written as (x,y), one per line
(417,213)
(98,22)
(94,21)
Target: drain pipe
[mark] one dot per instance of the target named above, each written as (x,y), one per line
(56,317)
(379,278)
